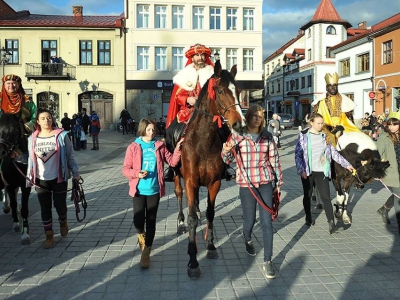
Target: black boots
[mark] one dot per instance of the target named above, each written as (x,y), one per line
(309,221)
(384,213)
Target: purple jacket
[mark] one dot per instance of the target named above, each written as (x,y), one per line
(133,164)
(303,148)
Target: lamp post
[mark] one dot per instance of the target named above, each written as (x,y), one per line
(216,56)
(5,57)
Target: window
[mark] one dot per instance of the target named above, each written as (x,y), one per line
(267,88)
(143,58)
(248,19)
(387,52)
(161,58)
(344,66)
(279,87)
(104,55)
(198,17)
(330,30)
(161,16)
(309,54)
(272,67)
(177,58)
(272,88)
(231,58)
(267,69)
(309,32)
(143,16)
(247,59)
(287,86)
(292,83)
(363,63)
(231,18)
(351,96)
(303,82)
(12,46)
(85,50)
(215,18)
(178,13)
(328,52)
(297,84)
(309,81)
(49,48)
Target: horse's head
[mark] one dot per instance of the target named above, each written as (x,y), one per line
(9,134)
(224,96)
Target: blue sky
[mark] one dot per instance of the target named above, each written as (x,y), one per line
(281,18)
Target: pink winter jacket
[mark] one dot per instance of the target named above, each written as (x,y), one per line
(133,164)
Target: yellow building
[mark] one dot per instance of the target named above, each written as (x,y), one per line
(67,62)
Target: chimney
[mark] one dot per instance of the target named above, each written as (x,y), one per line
(300,32)
(77,11)
(362,25)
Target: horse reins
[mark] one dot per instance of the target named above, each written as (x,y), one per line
(275,197)
(37,186)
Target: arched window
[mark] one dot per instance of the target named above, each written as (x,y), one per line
(331,30)
(50,101)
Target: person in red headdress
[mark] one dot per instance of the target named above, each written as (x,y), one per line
(188,83)
(14,100)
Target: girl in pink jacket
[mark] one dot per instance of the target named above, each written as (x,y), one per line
(144,167)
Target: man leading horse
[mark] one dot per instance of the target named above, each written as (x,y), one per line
(188,83)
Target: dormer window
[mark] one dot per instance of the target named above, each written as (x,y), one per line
(330,30)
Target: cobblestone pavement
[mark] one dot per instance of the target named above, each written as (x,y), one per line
(99,259)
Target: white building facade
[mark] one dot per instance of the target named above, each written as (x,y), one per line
(159,33)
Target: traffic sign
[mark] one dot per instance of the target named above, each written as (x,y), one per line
(372,95)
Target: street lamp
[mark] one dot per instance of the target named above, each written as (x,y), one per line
(5,57)
(216,56)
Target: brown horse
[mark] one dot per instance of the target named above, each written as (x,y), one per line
(201,163)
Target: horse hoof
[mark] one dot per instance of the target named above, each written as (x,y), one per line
(16,227)
(181,229)
(6,210)
(212,254)
(194,273)
(346,221)
(25,239)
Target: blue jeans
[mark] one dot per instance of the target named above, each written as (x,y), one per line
(249,204)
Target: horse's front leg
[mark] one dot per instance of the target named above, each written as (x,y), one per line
(339,197)
(345,217)
(12,195)
(193,265)
(25,238)
(209,235)
(180,227)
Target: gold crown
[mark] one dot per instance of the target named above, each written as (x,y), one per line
(395,115)
(332,78)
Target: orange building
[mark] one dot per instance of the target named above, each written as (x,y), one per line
(386,38)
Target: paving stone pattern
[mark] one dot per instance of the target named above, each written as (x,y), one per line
(99,259)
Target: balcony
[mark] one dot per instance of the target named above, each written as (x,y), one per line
(50,71)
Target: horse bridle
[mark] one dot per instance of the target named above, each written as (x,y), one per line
(8,145)
(222,104)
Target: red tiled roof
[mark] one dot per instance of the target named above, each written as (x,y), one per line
(299,51)
(288,56)
(26,19)
(326,13)
(355,31)
(281,49)
(375,28)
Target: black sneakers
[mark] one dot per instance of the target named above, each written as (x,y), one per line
(250,248)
